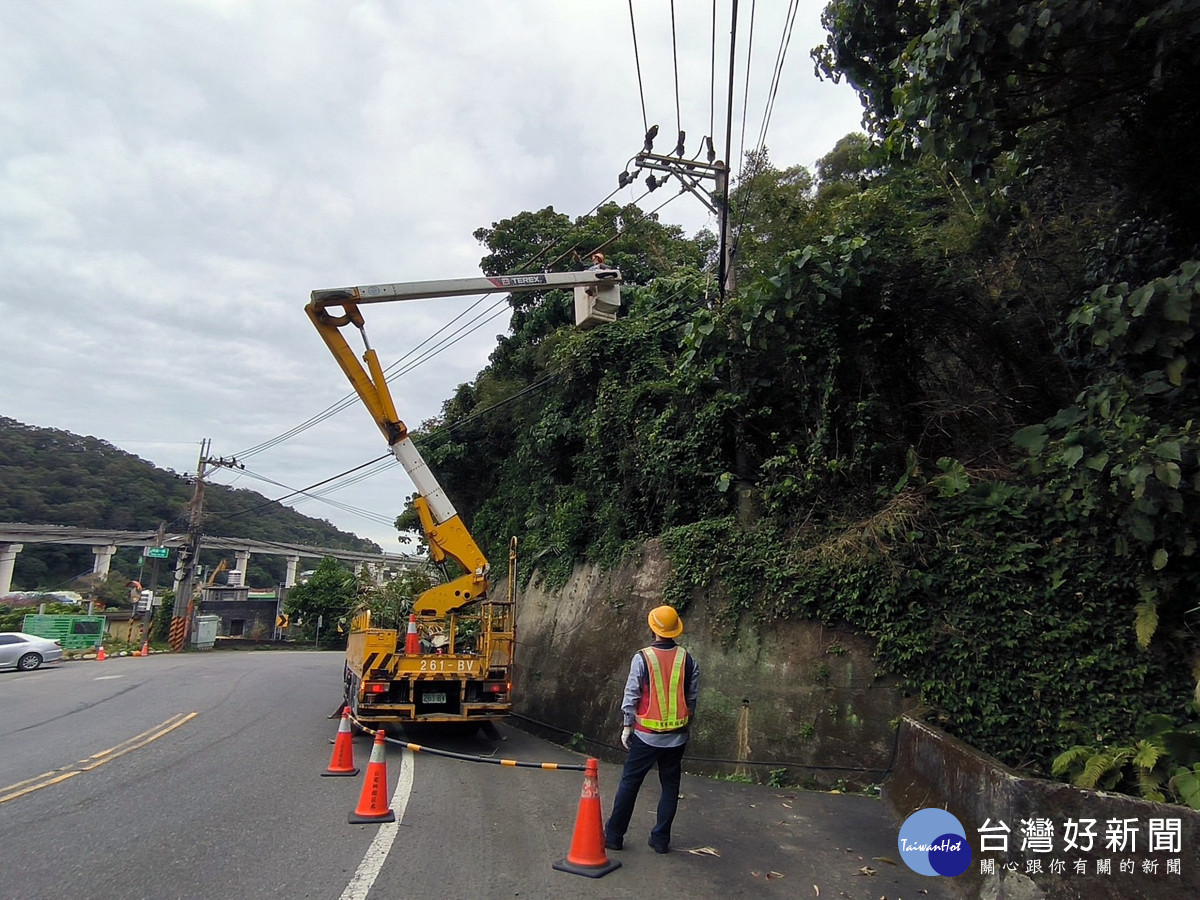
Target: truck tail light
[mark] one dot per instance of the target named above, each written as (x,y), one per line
(496,687)
(376,688)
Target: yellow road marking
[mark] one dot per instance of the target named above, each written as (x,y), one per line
(21,788)
(36,787)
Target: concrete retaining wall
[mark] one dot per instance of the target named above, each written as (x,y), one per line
(796,692)
(933,769)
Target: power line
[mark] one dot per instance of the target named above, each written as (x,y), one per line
(721,274)
(746,94)
(638,62)
(784,41)
(675,61)
(242,512)
(712,72)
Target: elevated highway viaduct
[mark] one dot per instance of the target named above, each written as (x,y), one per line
(15,536)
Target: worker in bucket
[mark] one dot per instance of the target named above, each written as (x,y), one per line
(658,706)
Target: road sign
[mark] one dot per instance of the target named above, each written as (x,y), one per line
(281,621)
(157,552)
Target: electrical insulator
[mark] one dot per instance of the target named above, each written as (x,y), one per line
(650,136)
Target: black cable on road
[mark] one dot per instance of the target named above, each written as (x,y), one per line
(467,757)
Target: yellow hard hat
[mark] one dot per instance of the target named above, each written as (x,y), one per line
(665,622)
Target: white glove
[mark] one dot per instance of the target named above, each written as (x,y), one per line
(626,736)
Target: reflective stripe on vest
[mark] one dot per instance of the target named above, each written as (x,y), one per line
(663,706)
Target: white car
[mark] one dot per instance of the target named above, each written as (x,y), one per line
(26,652)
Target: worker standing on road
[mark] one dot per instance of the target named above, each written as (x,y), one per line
(659,703)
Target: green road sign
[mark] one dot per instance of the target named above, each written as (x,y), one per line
(157,552)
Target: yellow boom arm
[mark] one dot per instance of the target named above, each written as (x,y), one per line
(597,298)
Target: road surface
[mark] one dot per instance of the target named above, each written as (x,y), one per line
(198,775)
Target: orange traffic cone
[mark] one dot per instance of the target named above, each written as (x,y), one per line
(342,761)
(587,856)
(373,802)
(145,648)
(101,656)
(412,643)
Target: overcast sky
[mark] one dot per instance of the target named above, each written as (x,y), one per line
(177,175)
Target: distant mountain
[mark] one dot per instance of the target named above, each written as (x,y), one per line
(52,477)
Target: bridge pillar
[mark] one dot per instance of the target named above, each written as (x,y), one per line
(103,560)
(8,558)
(242,562)
(293,563)
(180,571)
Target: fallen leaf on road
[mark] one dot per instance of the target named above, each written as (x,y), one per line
(705,851)
(817,889)
(885,859)
(865,870)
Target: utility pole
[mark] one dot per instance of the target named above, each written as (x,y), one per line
(189,556)
(691,173)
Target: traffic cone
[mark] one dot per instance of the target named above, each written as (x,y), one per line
(412,643)
(587,856)
(145,648)
(373,801)
(342,761)
(101,656)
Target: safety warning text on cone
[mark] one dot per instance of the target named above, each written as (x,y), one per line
(587,856)
(373,802)
(342,761)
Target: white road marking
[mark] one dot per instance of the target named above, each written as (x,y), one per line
(107,677)
(368,870)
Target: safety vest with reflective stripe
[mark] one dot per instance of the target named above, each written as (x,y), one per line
(663,706)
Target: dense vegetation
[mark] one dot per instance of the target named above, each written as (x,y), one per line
(52,477)
(952,404)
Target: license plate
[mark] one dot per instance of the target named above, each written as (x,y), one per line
(433,698)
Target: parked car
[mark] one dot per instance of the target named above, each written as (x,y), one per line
(26,652)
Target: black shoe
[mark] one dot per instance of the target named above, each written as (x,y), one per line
(614,844)
(659,848)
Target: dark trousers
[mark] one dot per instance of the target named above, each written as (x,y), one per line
(641,759)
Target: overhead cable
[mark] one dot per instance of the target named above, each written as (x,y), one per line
(675,61)
(721,274)
(712,74)
(781,55)
(746,94)
(637,61)
(242,512)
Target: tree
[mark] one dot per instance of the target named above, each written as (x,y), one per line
(770,207)
(632,241)
(966,80)
(329,593)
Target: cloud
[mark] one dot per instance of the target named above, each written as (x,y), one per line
(178,175)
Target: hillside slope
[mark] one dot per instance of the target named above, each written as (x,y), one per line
(53,477)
